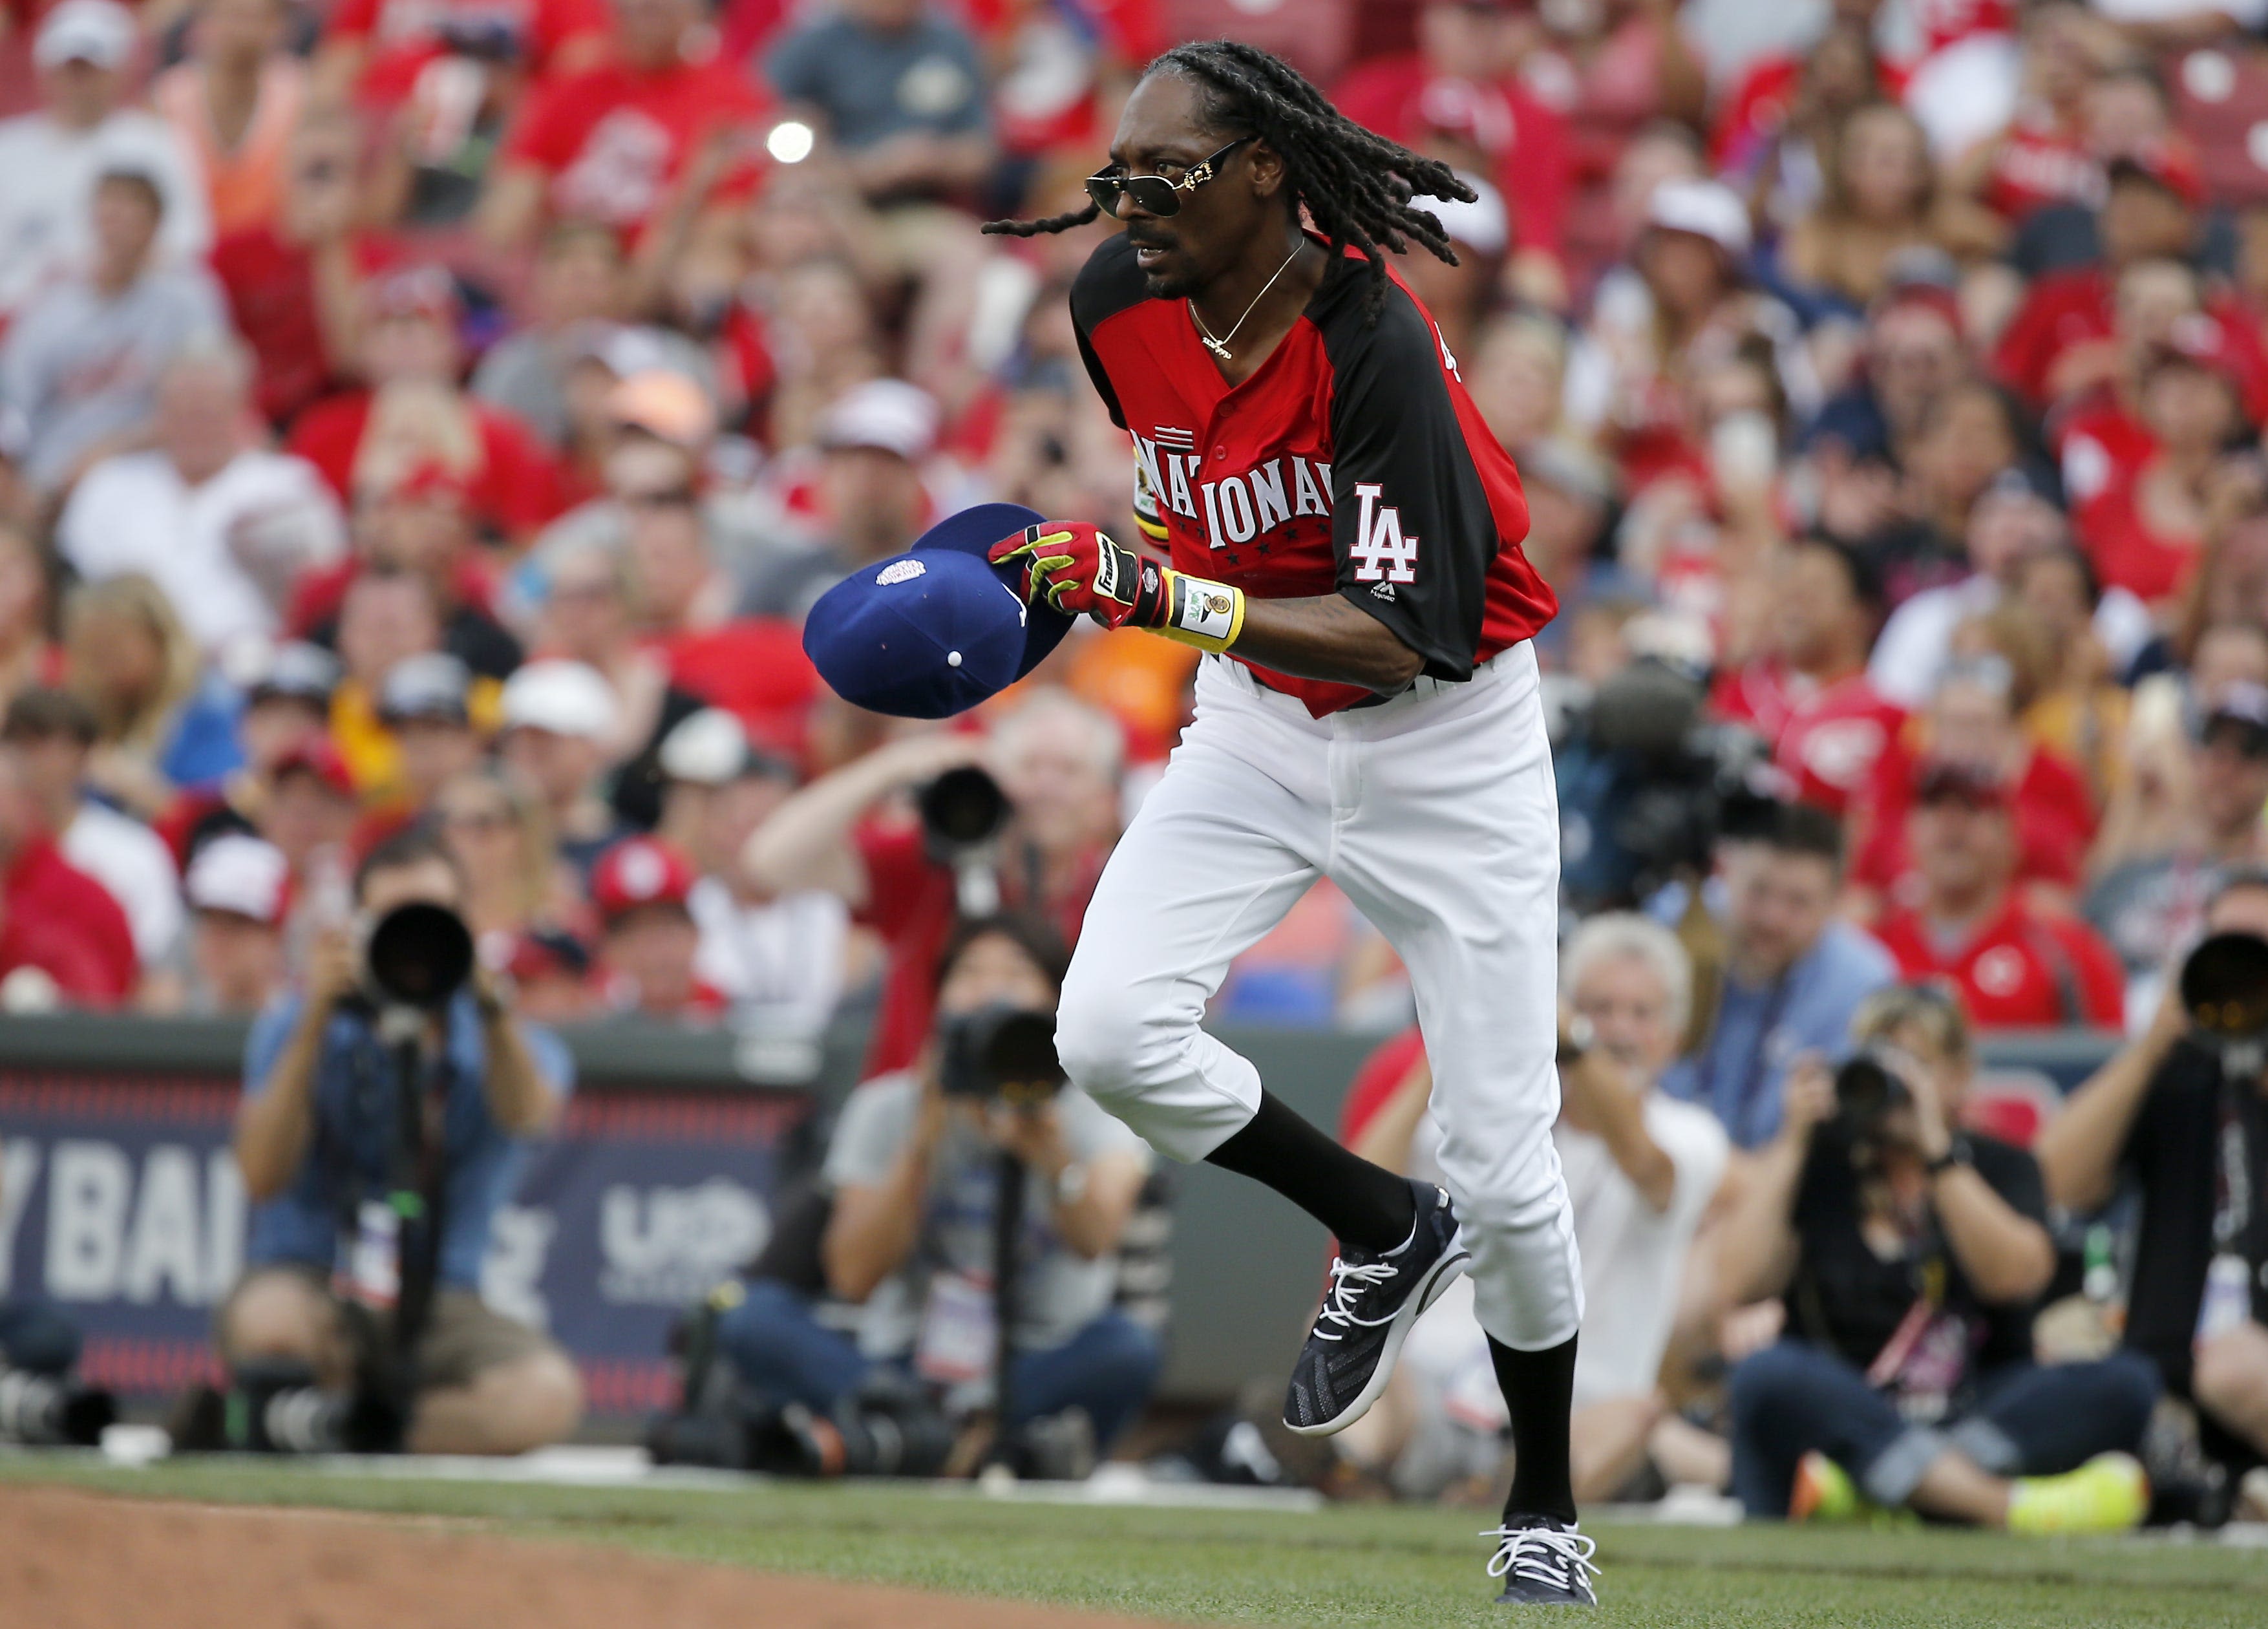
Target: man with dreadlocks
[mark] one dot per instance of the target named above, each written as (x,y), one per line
(1343,540)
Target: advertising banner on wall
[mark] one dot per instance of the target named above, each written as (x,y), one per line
(121,1204)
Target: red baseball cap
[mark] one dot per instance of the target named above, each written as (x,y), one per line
(318,757)
(637,872)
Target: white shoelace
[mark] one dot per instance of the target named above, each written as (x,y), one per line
(1346,1283)
(1544,1555)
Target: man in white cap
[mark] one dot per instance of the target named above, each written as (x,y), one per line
(238,887)
(49,159)
(874,440)
(559,717)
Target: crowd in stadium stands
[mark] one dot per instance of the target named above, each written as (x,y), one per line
(442,415)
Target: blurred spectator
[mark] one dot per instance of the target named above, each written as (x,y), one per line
(27,650)
(1641,1168)
(51,733)
(1456,98)
(870,501)
(287,707)
(2152,885)
(500,833)
(293,281)
(2090,639)
(550,972)
(311,1151)
(308,813)
(1912,355)
(62,937)
(1811,695)
(1881,198)
(1911,1254)
(379,53)
(413,416)
(426,702)
(679,583)
(1791,976)
(648,940)
(238,888)
(2176,1118)
(51,160)
(914,1178)
(608,143)
(167,723)
(898,86)
(2014,966)
(558,718)
(1778,128)
(780,959)
(385,617)
(222,525)
(82,359)
(233,103)
(1058,761)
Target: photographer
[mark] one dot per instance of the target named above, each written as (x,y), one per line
(915,1171)
(2171,1112)
(316,1152)
(1055,759)
(1911,1254)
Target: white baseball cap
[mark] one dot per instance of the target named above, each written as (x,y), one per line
(100,32)
(564,697)
(888,414)
(1707,210)
(1480,224)
(241,876)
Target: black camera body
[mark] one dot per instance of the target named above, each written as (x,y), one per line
(1000,1053)
(1868,1091)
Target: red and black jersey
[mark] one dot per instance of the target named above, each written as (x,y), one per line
(1352,461)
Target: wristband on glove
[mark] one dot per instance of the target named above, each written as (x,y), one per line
(1199,611)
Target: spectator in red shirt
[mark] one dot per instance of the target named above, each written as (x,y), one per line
(293,280)
(62,937)
(1058,761)
(1973,718)
(640,887)
(377,51)
(413,416)
(2014,966)
(611,142)
(1455,98)
(1810,696)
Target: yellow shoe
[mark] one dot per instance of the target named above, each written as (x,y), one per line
(2109,1493)
(1823,1491)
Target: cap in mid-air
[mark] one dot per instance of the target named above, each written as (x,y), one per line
(936,630)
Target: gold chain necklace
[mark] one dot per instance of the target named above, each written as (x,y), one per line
(1220,347)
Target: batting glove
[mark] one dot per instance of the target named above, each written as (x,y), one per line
(1081,571)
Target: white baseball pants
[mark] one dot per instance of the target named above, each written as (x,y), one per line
(1437,814)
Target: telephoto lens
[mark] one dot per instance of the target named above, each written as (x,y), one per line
(962,809)
(2224,988)
(1868,1091)
(1001,1051)
(47,1411)
(420,954)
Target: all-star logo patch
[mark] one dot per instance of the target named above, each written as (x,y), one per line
(899,572)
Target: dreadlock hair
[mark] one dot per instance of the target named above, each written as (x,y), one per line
(1355,184)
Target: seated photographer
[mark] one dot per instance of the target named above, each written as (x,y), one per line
(1911,1254)
(318,1138)
(2185,1113)
(1058,760)
(1641,1168)
(914,1168)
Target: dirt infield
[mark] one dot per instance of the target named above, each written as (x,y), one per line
(81,1561)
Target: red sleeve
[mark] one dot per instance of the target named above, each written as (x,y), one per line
(327,435)
(520,486)
(351,19)
(1537,178)
(1381,1076)
(112,942)
(897,864)
(558,21)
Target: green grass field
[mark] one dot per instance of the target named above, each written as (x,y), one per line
(1344,1566)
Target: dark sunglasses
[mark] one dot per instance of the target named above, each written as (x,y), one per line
(1155,195)
(669,498)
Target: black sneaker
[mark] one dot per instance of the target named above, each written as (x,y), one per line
(1543,1562)
(1367,1312)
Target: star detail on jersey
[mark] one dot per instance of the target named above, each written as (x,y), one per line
(1381,551)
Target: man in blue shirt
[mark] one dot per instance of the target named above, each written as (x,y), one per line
(1793,975)
(317,1138)
(900,89)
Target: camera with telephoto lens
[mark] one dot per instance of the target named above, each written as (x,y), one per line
(1868,1091)
(2224,989)
(417,955)
(1000,1053)
(963,811)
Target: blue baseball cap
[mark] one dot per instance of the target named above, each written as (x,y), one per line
(936,630)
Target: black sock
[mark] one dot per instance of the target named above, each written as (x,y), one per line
(1539,1390)
(1365,1204)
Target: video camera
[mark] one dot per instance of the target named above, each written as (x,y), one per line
(2224,989)
(1000,1053)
